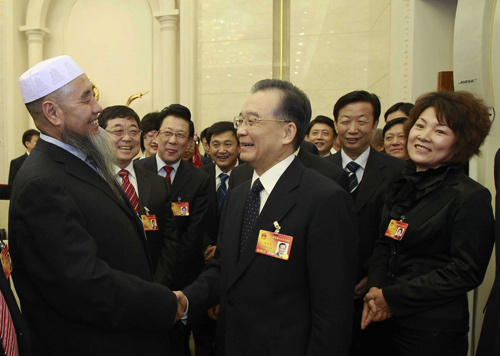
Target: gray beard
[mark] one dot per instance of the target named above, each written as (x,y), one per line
(98,150)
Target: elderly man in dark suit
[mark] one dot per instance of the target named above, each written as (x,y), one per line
(30,138)
(189,191)
(489,342)
(356,118)
(82,268)
(153,203)
(300,304)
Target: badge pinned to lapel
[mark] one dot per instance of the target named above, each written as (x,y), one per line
(274,244)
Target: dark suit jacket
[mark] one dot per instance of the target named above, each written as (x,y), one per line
(190,185)
(271,306)
(444,253)
(489,342)
(22,334)
(213,215)
(81,264)
(244,172)
(163,244)
(15,165)
(369,200)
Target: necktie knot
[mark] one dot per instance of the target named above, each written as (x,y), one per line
(123,173)
(352,167)
(223,177)
(256,187)
(168,169)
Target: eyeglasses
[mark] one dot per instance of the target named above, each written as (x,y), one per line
(167,134)
(134,133)
(251,120)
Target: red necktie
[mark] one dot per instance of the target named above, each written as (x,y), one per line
(129,189)
(169,170)
(7,330)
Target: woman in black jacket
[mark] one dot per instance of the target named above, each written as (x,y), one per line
(437,231)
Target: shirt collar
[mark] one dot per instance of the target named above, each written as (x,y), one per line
(361,160)
(160,164)
(129,168)
(64,146)
(270,177)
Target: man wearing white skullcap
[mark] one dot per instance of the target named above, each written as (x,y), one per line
(81,264)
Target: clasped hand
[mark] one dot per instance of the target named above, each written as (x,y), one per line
(181,305)
(375,307)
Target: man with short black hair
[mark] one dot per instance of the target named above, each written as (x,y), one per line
(321,132)
(189,191)
(30,139)
(356,118)
(146,190)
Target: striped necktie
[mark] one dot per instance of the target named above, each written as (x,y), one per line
(351,168)
(7,329)
(221,192)
(129,189)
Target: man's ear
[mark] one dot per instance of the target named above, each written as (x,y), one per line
(289,132)
(52,112)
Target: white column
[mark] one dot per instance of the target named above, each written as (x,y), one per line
(35,51)
(169,54)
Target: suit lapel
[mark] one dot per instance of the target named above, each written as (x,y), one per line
(277,206)
(181,178)
(372,178)
(144,187)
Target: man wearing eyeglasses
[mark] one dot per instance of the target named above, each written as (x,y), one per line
(148,192)
(189,192)
(301,303)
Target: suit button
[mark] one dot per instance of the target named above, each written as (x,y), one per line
(230,303)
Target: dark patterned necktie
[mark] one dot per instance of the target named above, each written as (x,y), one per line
(351,168)
(129,189)
(221,192)
(251,213)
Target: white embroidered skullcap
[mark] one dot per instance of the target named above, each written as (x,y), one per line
(48,76)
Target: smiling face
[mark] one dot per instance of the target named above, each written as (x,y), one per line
(150,144)
(79,107)
(171,149)
(266,142)
(395,142)
(224,150)
(355,127)
(322,136)
(125,148)
(431,143)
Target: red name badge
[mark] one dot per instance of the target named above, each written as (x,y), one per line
(396,229)
(6,261)
(274,245)
(180,209)
(150,222)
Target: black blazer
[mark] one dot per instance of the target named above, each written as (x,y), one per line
(270,306)
(15,165)
(23,340)
(489,342)
(244,172)
(213,215)
(163,244)
(444,253)
(81,264)
(190,185)
(369,200)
